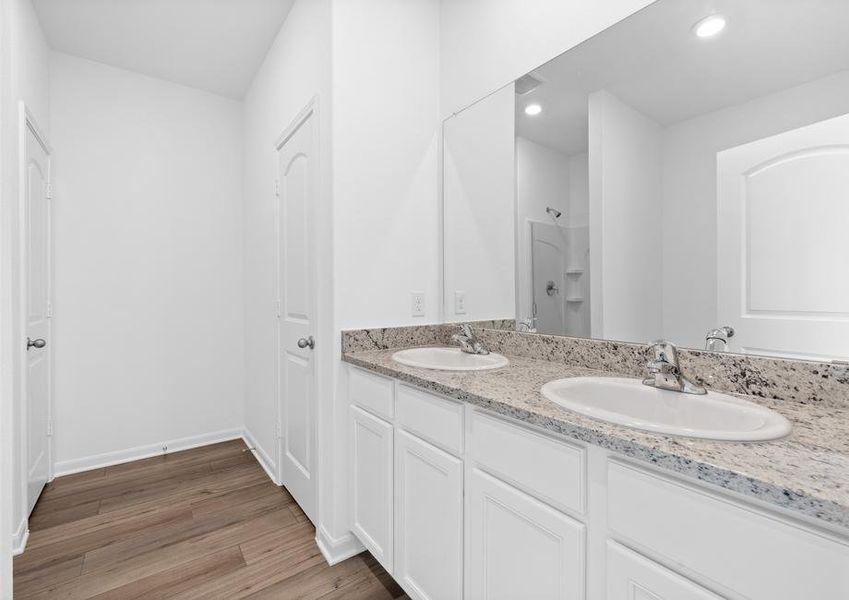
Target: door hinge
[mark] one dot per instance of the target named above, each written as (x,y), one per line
(277,187)
(48,310)
(278,431)
(277,309)
(49,427)
(48,191)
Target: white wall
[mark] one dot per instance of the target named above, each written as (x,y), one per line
(625,221)
(486,44)
(148,271)
(546,177)
(542,180)
(24,72)
(378,237)
(296,70)
(689,192)
(578,315)
(578,210)
(385,184)
(7,411)
(385,164)
(479,187)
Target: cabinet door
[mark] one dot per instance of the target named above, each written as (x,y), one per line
(428,519)
(634,577)
(520,547)
(371,484)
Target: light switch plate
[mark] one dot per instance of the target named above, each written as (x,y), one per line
(459,302)
(417,304)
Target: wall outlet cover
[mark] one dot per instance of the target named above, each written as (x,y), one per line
(459,302)
(417,304)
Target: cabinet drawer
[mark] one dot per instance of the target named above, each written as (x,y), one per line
(631,576)
(549,469)
(433,418)
(734,547)
(372,392)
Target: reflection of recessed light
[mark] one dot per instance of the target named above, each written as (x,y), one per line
(709,26)
(533,109)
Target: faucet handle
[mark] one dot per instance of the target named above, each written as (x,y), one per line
(664,351)
(662,343)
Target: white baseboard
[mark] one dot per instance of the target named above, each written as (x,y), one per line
(261,455)
(335,550)
(19,538)
(107,459)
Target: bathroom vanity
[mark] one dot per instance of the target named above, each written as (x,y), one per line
(473,485)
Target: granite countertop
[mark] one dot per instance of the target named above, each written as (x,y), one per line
(806,472)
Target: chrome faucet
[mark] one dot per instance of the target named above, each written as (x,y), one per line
(717,339)
(527,325)
(664,372)
(468,341)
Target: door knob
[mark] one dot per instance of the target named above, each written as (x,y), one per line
(307,342)
(39,343)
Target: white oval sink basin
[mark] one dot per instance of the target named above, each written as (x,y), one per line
(628,402)
(449,359)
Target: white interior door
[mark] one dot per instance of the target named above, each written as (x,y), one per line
(297,163)
(782,244)
(35,300)
(548,277)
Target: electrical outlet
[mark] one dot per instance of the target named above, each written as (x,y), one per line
(459,302)
(418,304)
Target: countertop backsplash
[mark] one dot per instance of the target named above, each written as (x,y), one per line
(808,382)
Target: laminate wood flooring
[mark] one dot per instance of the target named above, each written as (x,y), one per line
(204,523)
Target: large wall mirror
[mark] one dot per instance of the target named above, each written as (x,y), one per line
(683,175)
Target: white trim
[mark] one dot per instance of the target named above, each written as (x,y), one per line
(261,456)
(20,538)
(442,312)
(335,550)
(107,459)
(311,108)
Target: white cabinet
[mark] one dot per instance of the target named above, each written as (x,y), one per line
(535,502)
(428,520)
(633,577)
(372,392)
(371,485)
(737,548)
(520,547)
(547,468)
(432,418)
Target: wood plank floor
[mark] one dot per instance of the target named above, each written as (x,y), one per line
(204,523)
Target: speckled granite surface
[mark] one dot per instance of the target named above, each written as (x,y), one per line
(806,472)
(383,338)
(801,381)
(824,384)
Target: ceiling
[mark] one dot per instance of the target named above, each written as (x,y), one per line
(214,45)
(653,62)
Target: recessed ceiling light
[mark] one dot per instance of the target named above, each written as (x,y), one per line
(533,109)
(709,26)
